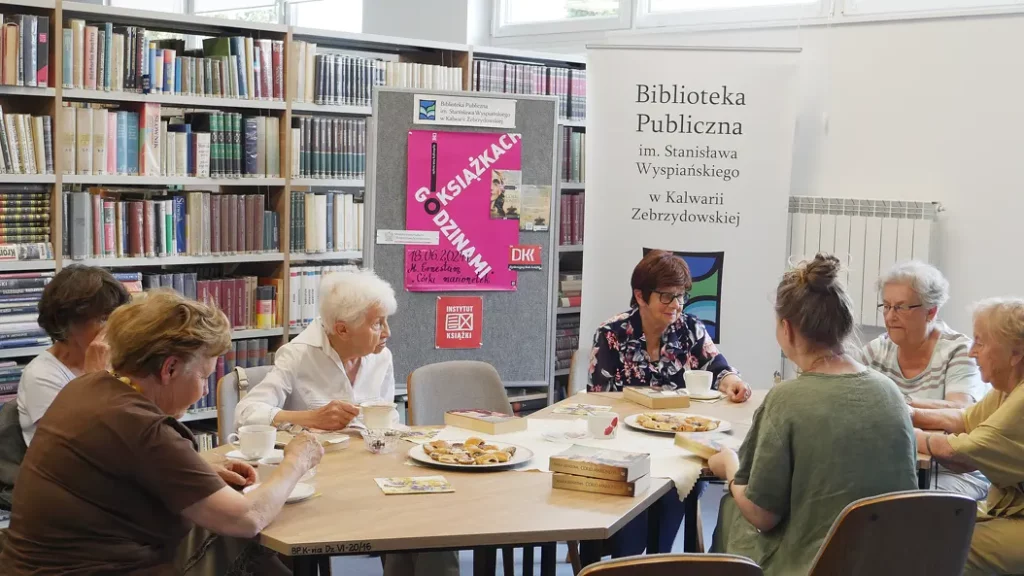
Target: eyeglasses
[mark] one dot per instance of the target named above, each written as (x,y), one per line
(668,297)
(899,308)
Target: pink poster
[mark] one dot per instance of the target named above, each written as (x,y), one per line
(466,186)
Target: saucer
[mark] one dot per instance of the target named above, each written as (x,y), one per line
(710,395)
(237,455)
(301,492)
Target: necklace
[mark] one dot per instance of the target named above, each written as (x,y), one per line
(127,381)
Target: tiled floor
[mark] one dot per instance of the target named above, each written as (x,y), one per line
(363,566)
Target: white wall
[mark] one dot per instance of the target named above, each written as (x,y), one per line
(438,20)
(916,110)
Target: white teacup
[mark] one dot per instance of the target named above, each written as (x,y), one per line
(377,414)
(698,381)
(602,425)
(254,441)
(267,467)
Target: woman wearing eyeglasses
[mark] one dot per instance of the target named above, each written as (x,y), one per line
(927,360)
(655,342)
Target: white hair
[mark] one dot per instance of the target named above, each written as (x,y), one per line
(924,279)
(348,296)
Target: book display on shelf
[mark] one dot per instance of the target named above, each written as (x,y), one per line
(248,353)
(328,147)
(567,340)
(326,222)
(568,84)
(19,310)
(10,376)
(570,224)
(26,50)
(574,155)
(303,292)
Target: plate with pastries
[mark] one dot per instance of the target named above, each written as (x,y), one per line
(672,422)
(472,454)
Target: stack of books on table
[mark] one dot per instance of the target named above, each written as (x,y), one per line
(485,421)
(19,309)
(587,469)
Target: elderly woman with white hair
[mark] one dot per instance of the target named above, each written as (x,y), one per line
(928,361)
(337,362)
(988,436)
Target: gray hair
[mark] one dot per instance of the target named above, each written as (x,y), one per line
(924,279)
(348,296)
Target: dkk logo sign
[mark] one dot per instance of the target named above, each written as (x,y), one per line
(525,257)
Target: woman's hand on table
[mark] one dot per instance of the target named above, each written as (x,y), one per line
(304,451)
(236,474)
(735,390)
(724,464)
(335,415)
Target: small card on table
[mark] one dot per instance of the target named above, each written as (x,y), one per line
(414,485)
(421,435)
(580,409)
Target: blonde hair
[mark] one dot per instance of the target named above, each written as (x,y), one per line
(1002,319)
(144,333)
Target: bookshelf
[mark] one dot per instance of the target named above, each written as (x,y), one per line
(278,190)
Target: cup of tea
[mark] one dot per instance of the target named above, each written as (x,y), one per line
(377,414)
(254,441)
(698,381)
(602,425)
(267,467)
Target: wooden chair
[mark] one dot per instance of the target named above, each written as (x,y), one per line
(231,388)
(923,533)
(675,565)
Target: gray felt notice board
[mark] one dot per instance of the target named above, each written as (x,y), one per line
(518,325)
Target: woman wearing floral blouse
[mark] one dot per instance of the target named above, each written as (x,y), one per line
(653,345)
(656,342)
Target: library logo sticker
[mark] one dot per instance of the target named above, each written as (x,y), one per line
(524,257)
(459,322)
(464,111)
(428,109)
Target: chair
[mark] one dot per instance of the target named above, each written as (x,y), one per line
(578,371)
(437,388)
(230,389)
(922,533)
(675,565)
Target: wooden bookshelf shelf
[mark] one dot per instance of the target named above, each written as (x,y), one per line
(573,123)
(569,310)
(257,333)
(27,178)
(120,180)
(572,186)
(27,91)
(18,265)
(167,20)
(199,415)
(309,107)
(15,4)
(180,260)
(23,352)
(570,248)
(321,256)
(181,100)
(328,183)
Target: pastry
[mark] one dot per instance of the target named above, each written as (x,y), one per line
(677,422)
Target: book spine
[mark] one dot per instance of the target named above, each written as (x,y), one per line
(43,51)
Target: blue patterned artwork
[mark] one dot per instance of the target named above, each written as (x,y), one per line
(705,301)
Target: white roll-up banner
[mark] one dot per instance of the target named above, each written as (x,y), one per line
(690,150)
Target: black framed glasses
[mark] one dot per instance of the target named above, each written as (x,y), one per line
(667,297)
(899,308)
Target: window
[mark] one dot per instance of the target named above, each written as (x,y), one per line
(177,6)
(655,13)
(897,6)
(342,15)
(248,10)
(519,17)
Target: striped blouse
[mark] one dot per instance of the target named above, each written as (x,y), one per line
(951,370)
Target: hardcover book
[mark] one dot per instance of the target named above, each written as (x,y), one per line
(484,421)
(600,486)
(601,463)
(655,398)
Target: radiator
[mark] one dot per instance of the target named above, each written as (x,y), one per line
(868,236)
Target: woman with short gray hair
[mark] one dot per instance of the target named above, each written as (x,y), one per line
(927,360)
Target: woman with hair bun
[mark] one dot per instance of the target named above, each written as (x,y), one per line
(837,433)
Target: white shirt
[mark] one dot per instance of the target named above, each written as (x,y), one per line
(308,373)
(40,382)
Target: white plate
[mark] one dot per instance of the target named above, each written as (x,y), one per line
(522,456)
(299,493)
(237,455)
(723,425)
(713,395)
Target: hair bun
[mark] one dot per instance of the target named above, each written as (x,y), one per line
(820,273)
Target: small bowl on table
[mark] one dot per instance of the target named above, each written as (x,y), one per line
(381,440)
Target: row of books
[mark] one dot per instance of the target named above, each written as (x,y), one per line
(24,219)
(245,353)
(568,84)
(101,56)
(249,302)
(26,143)
(574,155)
(333,78)
(206,440)
(326,222)
(570,224)
(304,292)
(129,222)
(10,376)
(600,470)
(567,340)
(328,147)
(99,140)
(19,309)
(26,50)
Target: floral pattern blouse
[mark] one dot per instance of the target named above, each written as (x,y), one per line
(619,357)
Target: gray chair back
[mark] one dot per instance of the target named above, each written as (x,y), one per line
(675,565)
(916,533)
(12,451)
(437,388)
(231,388)
(579,370)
